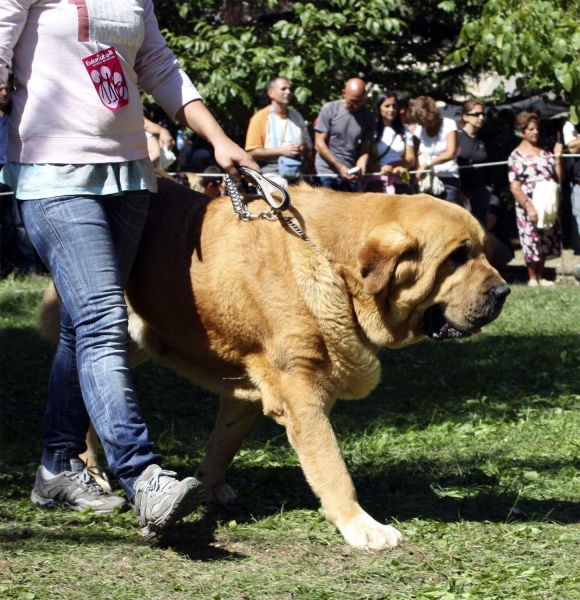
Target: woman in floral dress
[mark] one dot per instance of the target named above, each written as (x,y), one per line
(528,164)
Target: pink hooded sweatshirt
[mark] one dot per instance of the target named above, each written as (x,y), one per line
(77,64)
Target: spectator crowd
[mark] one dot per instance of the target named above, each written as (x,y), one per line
(400,146)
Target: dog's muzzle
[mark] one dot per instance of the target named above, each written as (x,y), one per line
(437,327)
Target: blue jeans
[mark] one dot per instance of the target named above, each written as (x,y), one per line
(451,193)
(89,244)
(338,184)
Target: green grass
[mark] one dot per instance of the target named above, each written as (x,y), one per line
(471,448)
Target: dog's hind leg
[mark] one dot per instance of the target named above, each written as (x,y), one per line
(234,420)
(91,458)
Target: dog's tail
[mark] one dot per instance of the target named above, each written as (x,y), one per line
(48,319)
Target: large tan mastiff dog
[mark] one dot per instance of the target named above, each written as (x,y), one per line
(252,312)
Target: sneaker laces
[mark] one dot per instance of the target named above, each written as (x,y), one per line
(159,482)
(85,479)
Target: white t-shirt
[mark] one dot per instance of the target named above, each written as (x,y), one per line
(569,132)
(435,146)
(397,145)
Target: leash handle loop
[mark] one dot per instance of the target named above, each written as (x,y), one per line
(262,184)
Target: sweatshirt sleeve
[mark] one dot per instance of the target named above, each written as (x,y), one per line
(158,70)
(13,15)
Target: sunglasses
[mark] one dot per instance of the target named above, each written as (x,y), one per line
(475,114)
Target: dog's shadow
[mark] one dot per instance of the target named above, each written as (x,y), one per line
(403,492)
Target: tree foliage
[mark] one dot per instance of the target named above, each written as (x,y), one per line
(231,48)
(536,40)
(232,54)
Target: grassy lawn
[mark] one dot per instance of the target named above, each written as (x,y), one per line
(472,448)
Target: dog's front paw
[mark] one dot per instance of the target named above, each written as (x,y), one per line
(364,532)
(220,495)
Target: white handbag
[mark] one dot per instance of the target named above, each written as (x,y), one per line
(429,183)
(546,201)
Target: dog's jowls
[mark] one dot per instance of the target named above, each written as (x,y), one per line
(250,311)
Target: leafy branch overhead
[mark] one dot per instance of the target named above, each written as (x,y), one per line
(538,41)
(232,49)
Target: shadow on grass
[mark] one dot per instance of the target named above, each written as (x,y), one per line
(488,377)
(425,489)
(421,384)
(404,492)
(195,540)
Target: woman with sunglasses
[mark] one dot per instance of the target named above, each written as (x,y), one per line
(471,151)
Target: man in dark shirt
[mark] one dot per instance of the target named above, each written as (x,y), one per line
(343,134)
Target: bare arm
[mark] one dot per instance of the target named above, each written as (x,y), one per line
(558,150)
(450,152)
(154,151)
(228,154)
(410,157)
(266,154)
(165,138)
(321,146)
(419,168)
(407,162)
(522,199)
(363,159)
(574,145)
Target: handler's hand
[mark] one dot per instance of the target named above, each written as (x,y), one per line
(229,156)
(165,138)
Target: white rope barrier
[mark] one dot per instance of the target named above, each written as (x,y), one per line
(334,175)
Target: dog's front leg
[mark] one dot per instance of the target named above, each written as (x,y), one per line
(311,435)
(234,420)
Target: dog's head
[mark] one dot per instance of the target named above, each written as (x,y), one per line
(422,271)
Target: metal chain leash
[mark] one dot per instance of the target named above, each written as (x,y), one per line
(298,231)
(239,207)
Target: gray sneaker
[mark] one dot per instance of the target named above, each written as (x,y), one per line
(160,500)
(75,488)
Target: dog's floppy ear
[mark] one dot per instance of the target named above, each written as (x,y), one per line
(380,254)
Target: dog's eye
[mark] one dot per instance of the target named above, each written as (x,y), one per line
(460,256)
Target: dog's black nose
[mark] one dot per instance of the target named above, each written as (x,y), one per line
(500,291)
